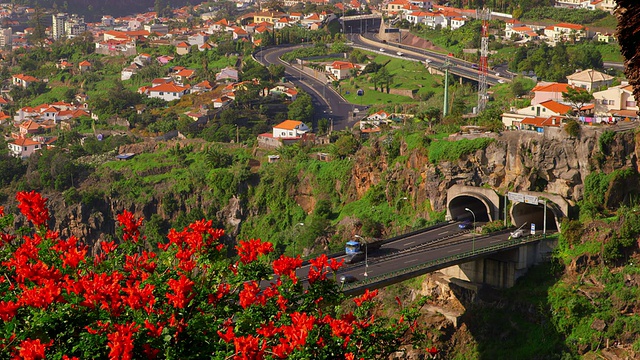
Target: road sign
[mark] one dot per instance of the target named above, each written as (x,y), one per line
(517,197)
(530,199)
(533,229)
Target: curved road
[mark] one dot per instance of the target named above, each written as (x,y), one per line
(327,102)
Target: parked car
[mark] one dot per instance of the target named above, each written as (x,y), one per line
(467,224)
(381,50)
(400,53)
(516,234)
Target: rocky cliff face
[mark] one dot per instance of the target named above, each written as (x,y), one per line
(515,161)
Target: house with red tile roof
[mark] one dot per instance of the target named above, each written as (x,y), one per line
(341,69)
(23,80)
(290,129)
(168,91)
(23,148)
(549,91)
(84,66)
(538,124)
(567,32)
(183,48)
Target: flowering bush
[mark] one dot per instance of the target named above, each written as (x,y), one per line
(186,300)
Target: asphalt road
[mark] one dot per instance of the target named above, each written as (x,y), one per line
(435,59)
(327,102)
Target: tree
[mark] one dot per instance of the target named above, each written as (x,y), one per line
(577,97)
(572,128)
(301,108)
(186,300)
(346,145)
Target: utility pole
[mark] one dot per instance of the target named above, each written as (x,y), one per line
(483,97)
(446,66)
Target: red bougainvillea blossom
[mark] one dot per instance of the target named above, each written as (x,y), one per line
(189,298)
(32,205)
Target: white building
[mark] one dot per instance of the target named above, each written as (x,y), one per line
(590,80)
(23,148)
(290,129)
(57,28)
(169,91)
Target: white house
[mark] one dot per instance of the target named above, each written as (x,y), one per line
(590,80)
(169,91)
(290,129)
(616,100)
(23,80)
(340,69)
(23,148)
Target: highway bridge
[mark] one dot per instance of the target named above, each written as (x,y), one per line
(493,259)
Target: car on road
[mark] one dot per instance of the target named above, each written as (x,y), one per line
(450,55)
(516,234)
(466,224)
(427,61)
(346,279)
(400,53)
(381,50)
(501,81)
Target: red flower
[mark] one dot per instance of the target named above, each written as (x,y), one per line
(248,348)
(433,351)
(287,266)
(365,297)
(8,310)
(108,246)
(250,250)
(32,349)
(66,357)
(153,330)
(181,289)
(121,341)
(248,294)
(130,226)
(33,206)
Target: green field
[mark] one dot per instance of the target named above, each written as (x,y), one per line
(407,75)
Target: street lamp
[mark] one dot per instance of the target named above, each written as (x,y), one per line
(473,241)
(366,256)
(295,241)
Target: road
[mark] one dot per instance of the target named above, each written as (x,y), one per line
(435,59)
(327,102)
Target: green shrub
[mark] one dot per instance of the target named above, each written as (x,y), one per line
(444,150)
(605,140)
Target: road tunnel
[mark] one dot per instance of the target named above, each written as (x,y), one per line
(522,213)
(464,207)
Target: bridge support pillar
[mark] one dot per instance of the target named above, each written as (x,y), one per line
(503,269)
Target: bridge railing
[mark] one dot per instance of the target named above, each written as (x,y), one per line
(441,261)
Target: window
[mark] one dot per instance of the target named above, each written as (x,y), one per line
(631,103)
(161,93)
(604,102)
(611,102)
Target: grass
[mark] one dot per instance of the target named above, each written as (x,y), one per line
(408,75)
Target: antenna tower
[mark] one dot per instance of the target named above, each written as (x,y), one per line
(483,68)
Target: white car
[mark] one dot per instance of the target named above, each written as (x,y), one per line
(381,50)
(400,53)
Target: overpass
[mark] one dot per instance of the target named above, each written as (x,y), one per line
(494,259)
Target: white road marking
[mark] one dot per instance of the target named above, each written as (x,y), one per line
(454,250)
(495,241)
(408,261)
(409,243)
(442,233)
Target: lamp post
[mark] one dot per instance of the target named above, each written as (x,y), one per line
(473,241)
(295,243)
(366,256)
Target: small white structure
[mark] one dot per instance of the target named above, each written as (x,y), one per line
(23,148)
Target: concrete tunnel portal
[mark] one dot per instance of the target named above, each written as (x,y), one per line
(475,203)
(524,215)
(487,205)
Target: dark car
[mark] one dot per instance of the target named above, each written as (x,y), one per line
(346,279)
(465,225)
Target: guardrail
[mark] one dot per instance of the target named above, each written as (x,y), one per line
(438,263)
(392,239)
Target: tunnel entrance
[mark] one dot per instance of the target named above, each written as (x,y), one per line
(533,214)
(478,206)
